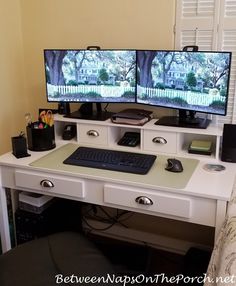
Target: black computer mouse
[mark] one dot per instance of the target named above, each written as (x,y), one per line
(174,165)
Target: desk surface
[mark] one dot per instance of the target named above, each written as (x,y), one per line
(157,176)
(197,182)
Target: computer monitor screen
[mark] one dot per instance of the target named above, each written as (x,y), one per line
(184,80)
(90,75)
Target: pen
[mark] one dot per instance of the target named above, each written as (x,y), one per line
(28,119)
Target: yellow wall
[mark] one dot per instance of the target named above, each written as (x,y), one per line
(80,23)
(13,101)
(29,26)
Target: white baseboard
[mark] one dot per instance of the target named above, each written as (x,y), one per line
(140,237)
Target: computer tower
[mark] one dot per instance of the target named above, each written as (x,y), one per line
(31,225)
(61,215)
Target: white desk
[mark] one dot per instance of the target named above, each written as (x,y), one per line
(203,200)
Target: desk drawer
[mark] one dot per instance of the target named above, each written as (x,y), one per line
(50,183)
(93,134)
(160,141)
(157,202)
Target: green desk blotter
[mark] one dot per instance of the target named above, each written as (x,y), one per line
(156,177)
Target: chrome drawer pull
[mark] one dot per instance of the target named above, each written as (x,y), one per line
(159,140)
(144,201)
(46,184)
(93,133)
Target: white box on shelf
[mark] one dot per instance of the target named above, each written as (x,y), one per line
(33,202)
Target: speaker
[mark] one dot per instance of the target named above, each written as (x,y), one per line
(228,153)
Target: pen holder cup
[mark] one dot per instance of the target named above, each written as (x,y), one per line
(40,139)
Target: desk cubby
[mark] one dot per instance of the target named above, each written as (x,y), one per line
(154,139)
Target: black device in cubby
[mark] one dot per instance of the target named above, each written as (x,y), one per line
(69,132)
(130,139)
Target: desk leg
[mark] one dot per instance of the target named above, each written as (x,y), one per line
(4,222)
(220,216)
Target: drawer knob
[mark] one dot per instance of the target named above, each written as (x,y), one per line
(46,184)
(93,133)
(144,201)
(159,140)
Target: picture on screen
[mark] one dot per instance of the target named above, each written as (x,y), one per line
(197,81)
(90,75)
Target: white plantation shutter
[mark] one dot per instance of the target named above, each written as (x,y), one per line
(201,38)
(211,25)
(195,23)
(200,8)
(227,42)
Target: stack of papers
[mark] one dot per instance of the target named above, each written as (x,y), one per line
(200,147)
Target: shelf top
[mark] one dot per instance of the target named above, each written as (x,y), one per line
(150,125)
(210,130)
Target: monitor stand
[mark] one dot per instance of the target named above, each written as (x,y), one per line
(86,112)
(185,119)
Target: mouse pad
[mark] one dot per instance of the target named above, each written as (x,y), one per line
(156,177)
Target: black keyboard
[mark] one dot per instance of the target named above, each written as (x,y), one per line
(128,162)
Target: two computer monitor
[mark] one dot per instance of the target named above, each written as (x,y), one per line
(196,81)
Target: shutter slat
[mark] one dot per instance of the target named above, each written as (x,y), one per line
(203,39)
(200,8)
(230,8)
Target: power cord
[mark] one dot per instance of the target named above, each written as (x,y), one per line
(105,108)
(91,213)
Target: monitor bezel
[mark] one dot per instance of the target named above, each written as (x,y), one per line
(187,109)
(89,101)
